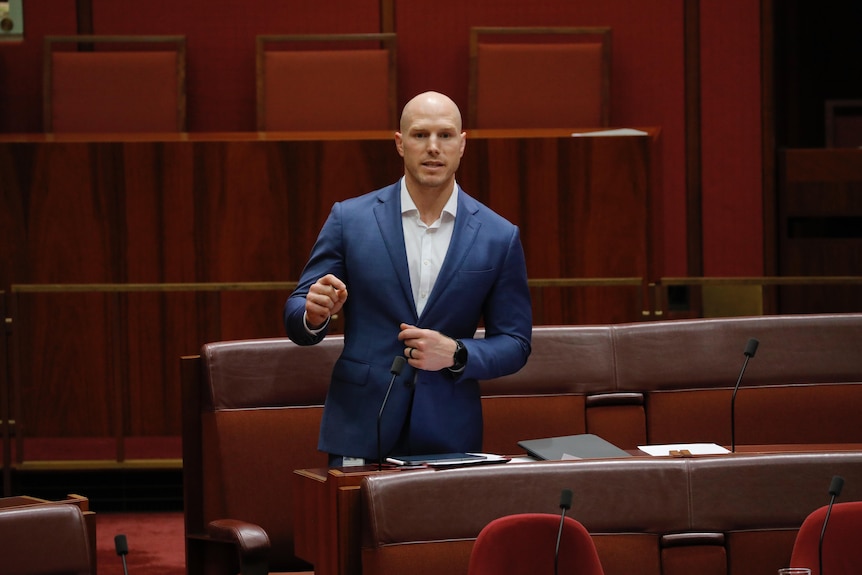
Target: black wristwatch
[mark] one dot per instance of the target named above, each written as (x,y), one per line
(460,356)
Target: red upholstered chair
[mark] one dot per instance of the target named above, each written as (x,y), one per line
(539,77)
(45,539)
(114,84)
(326,82)
(525,543)
(842,542)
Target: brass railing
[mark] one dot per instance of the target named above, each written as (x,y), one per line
(11,382)
(753,295)
(650,298)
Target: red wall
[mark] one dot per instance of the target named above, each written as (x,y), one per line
(647,81)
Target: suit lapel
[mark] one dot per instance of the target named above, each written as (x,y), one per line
(387,212)
(463,238)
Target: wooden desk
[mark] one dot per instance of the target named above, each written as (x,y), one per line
(328,526)
(327,522)
(819,234)
(20,500)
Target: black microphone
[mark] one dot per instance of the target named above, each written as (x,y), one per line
(395,370)
(834,490)
(565,505)
(122,547)
(750,350)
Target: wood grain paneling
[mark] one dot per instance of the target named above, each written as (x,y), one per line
(113,246)
(820,227)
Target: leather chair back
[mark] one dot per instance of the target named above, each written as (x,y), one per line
(326,82)
(49,539)
(114,84)
(526,77)
(841,551)
(527,543)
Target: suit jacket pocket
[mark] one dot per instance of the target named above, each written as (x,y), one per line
(352,372)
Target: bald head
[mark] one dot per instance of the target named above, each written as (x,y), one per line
(431,142)
(430,103)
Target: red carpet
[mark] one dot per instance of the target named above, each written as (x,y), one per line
(156,545)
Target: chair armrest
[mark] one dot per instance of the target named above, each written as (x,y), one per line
(251,540)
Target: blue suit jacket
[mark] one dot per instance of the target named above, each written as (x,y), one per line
(483,278)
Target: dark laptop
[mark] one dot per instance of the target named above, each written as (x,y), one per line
(583,446)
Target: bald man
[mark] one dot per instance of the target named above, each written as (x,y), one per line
(414,268)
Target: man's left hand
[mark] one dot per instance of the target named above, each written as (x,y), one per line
(427,349)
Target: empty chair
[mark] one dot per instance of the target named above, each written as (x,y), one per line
(539,77)
(526,543)
(45,539)
(842,554)
(327,82)
(239,501)
(114,84)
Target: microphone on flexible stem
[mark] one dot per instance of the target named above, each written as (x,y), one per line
(395,370)
(750,350)
(834,490)
(122,547)
(565,505)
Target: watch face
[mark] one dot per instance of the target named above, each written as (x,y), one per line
(460,353)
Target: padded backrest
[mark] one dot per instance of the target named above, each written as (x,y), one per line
(625,505)
(539,77)
(273,372)
(45,539)
(646,515)
(547,396)
(326,82)
(611,495)
(841,551)
(687,370)
(527,543)
(671,382)
(708,353)
(113,84)
(775,490)
(262,403)
(564,359)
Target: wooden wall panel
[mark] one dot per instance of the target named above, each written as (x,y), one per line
(731,136)
(820,228)
(647,75)
(648,82)
(68,233)
(579,203)
(65,386)
(145,217)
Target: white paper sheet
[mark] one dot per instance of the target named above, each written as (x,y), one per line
(693,448)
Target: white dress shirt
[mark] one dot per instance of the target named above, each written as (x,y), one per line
(426,245)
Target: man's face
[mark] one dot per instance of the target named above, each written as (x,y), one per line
(431,143)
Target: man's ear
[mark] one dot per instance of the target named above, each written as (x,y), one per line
(399,144)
